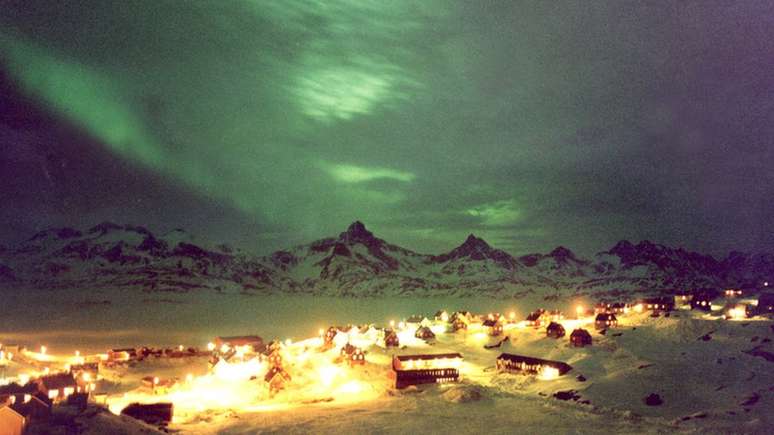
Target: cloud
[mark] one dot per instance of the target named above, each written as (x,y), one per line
(359,174)
(494,214)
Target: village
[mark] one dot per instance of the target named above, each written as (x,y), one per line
(173,387)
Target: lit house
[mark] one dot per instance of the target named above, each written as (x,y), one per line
(580,338)
(441,316)
(683,297)
(765,303)
(536,317)
(57,387)
(251,342)
(507,362)
(493,327)
(353,354)
(425,369)
(555,330)
(459,323)
(425,333)
(702,302)
(11,422)
(604,321)
(122,355)
(611,307)
(276,378)
(329,335)
(391,338)
(658,304)
(733,293)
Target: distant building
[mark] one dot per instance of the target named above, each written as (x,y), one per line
(493,327)
(425,369)
(536,317)
(391,338)
(611,308)
(658,304)
(555,330)
(11,422)
(580,338)
(33,409)
(765,303)
(254,343)
(604,321)
(528,365)
(732,293)
(57,387)
(702,301)
(158,414)
(353,354)
(425,333)
(683,297)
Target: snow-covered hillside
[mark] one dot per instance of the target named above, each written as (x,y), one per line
(357,263)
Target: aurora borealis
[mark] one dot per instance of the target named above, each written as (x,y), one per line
(266,124)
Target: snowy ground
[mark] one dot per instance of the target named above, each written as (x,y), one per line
(713,375)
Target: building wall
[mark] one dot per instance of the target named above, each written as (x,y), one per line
(11,423)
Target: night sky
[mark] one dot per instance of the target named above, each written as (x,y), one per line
(272,123)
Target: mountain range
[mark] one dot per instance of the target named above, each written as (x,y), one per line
(357,263)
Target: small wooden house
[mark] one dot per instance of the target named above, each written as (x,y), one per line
(555,330)
(11,422)
(765,303)
(604,321)
(658,304)
(580,337)
(57,387)
(122,354)
(702,302)
(536,317)
(329,335)
(391,338)
(611,308)
(425,369)
(493,327)
(157,414)
(683,297)
(33,408)
(253,343)
(416,319)
(441,316)
(352,354)
(276,378)
(521,364)
(732,293)
(466,316)
(425,333)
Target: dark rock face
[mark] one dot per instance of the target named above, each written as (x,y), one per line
(653,399)
(476,249)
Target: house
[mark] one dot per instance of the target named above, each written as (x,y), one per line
(765,303)
(11,422)
(276,377)
(604,321)
(57,387)
(158,385)
(441,316)
(391,338)
(85,374)
(657,304)
(732,293)
(459,324)
(466,316)
(353,354)
(158,414)
(15,393)
(580,338)
(555,330)
(553,316)
(425,369)
(251,343)
(416,319)
(33,408)
(611,307)
(702,301)
(510,363)
(536,317)
(683,297)
(122,355)
(425,333)
(493,327)
(329,335)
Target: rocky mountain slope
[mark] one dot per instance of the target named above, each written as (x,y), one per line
(357,263)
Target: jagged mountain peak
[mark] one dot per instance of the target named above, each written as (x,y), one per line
(357,232)
(58,233)
(562,252)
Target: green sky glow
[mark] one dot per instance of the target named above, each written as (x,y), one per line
(531,125)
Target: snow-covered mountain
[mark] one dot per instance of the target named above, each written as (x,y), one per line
(357,263)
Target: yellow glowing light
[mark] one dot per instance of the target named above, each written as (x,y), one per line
(210,346)
(579,310)
(46,370)
(224,348)
(43,350)
(737,313)
(288,342)
(24,378)
(87,377)
(392,323)
(512,315)
(180,348)
(548,373)
(189,378)
(77,353)
(639,308)
(156,380)
(444,316)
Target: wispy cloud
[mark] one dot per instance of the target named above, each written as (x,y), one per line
(360,174)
